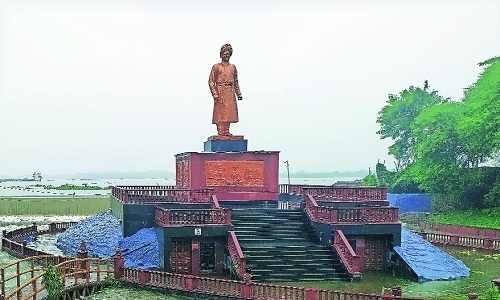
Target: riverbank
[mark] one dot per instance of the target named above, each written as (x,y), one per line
(53,206)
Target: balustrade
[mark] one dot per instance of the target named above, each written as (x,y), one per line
(461,230)
(336,193)
(349,258)
(220,287)
(358,215)
(183,217)
(159,194)
(269,291)
(485,243)
(237,257)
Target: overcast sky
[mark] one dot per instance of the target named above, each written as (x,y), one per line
(122,85)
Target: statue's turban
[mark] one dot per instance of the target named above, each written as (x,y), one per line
(226,47)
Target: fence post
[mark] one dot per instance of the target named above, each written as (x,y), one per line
(118,264)
(311,294)
(83,255)
(189,282)
(144,276)
(488,243)
(397,291)
(195,258)
(23,249)
(245,289)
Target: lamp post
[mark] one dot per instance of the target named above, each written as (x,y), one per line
(288,172)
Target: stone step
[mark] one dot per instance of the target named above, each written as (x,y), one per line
(281,248)
(257,217)
(240,234)
(287,277)
(259,223)
(278,247)
(298,261)
(254,238)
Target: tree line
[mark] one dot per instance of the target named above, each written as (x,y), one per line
(450,148)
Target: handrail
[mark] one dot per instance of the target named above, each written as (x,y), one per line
(12,241)
(160,194)
(189,217)
(357,215)
(460,230)
(238,258)
(349,258)
(215,202)
(346,194)
(485,243)
(336,193)
(36,264)
(23,232)
(74,272)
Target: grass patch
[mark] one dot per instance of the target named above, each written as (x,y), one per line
(482,218)
(53,206)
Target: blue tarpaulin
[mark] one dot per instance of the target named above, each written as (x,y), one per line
(141,250)
(101,234)
(428,261)
(411,202)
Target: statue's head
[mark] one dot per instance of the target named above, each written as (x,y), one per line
(226,50)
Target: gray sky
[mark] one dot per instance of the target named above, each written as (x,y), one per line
(122,85)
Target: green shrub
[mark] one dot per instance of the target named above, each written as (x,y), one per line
(52,279)
(491,294)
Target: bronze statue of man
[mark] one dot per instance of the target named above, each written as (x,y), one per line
(223,83)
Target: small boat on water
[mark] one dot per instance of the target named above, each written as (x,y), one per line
(37,176)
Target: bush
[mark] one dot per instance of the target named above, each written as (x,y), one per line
(492,294)
(52,279)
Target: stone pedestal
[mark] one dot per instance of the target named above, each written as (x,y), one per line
(234,176)
(232,143)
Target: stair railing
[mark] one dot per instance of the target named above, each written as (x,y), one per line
(349,258)
(237,257)
(214,202)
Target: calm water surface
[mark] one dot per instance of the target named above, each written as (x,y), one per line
(29,188)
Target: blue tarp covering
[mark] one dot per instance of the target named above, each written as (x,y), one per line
(141,250)
(428,261)
(101,234)
(411,202)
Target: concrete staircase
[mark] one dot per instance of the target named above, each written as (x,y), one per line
(278,247)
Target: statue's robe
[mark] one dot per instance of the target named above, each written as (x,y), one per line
(223,82)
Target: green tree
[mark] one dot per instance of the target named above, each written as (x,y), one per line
(397,116)
(480,125)
(440,153)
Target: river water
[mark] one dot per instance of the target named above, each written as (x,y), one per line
(33,188)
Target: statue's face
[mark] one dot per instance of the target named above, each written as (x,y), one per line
(225,55)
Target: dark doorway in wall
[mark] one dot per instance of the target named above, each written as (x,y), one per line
(207,257)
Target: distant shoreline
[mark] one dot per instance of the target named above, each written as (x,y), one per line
(162,174)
